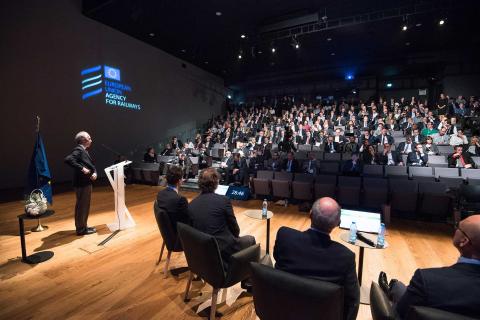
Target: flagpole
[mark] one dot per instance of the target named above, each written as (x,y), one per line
(38,124)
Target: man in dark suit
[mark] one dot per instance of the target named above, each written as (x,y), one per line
(352,167)
(175,205)
(213,214)
(331,146)
(312,254)
(290,164)
(384,137)
(407,146)
(390,157)
(455,288)
(417,157)
(460,159)
(84,173)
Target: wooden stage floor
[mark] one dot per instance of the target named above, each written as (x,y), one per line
(121,280)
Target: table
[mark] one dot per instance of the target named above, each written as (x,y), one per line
(257,214)
(38,257)
(364,290)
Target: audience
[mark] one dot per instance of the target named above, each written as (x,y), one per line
(417,157)
(314,255)
(455,288)
(213,214)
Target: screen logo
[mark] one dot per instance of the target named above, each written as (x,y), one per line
(95,81)
(112,73)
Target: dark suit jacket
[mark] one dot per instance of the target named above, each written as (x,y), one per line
(454,289)
(413,159)
(383,159)
(380,139)
(313,254)
(326,147)
(295,165)
(401,146)
(78,159)
(175,205)
(213,214)
(452,162)
(349,169)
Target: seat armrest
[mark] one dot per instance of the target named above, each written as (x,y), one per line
(239,266)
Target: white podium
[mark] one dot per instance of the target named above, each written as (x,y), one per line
(123,218)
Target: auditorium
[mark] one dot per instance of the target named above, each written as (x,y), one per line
(240,160)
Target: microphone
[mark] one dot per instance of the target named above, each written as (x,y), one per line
(362,238)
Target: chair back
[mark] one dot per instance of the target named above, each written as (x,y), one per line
(202,254)
(279,295)
(167,231)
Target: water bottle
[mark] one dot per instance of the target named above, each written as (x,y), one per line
(353,233)
(381,236)
(264,209)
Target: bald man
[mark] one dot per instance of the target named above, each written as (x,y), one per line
(455,288)
(312,254)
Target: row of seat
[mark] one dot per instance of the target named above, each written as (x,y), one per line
(407,197)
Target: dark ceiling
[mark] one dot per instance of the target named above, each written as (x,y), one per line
(208,33)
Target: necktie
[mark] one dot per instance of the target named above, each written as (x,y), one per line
(462,161)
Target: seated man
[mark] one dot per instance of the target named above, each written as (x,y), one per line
(460,159)
(353,166)
(290,164)
(213,214)
(389,157)
(313,254)
(417,157)
(407,146)
(275,163)
(455,288)
(310,165)
(169,200)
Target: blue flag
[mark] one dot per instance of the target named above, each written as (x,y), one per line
(38,172)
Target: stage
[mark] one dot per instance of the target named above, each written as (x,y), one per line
(121,280)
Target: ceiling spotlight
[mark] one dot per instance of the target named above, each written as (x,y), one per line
(389,84)
(404,28)
(297,46)
(418,25)
(273,50)
(206,62)
(329,39)
(239,56)
(332,54)
(441,22)
(243,36)
(218,13)
(184,50)
(229,96)
(151,34)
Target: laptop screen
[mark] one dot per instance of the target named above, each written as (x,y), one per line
(365,221)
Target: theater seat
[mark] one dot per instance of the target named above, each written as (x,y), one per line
(261,184)
(325,186)
(279,295)
(302,187)
(348,191)
(375,192)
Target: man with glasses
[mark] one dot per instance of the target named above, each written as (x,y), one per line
(455,288)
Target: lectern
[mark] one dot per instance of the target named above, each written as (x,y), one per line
(123,218)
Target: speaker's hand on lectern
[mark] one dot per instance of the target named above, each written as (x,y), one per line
(93,176)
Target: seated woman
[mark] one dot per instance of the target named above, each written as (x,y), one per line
(150,156)
(429,147)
